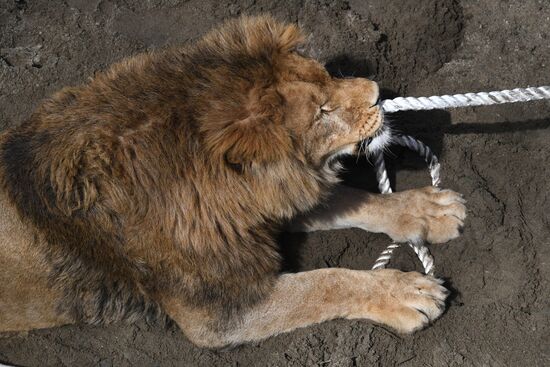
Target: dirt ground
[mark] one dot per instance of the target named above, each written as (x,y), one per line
(496,156)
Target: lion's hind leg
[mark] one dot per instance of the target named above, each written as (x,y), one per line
(27,300)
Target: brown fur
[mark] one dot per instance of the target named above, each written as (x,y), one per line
(157,186)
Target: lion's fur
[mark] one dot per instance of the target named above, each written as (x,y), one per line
(158,185)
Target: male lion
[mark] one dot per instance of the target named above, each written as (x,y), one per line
(157,187)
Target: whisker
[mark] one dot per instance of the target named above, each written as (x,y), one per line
(388,151)
(368,159)
(359,152)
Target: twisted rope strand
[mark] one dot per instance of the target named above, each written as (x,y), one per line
(385,256)
(465,100)
(381,174)
(423,150)
(385,188)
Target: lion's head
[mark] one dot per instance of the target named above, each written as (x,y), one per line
(265,102)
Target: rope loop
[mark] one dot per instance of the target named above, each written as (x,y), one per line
(384,186)
(430,103)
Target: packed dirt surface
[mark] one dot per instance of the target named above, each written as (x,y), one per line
(496,156)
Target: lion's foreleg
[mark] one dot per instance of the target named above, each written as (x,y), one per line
(403,301)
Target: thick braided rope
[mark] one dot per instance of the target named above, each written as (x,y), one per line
(466,100)
(423,150)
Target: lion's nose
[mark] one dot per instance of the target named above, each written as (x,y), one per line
(357,93)
(375,96)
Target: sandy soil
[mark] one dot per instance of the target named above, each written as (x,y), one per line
(500,269)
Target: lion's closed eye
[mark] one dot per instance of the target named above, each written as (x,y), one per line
(324,110)
(320,112)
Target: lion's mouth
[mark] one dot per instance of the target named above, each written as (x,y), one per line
(380,139)
(369,145)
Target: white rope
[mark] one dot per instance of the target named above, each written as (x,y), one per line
(465,100)
(430,103)
(420,248)
(425,152)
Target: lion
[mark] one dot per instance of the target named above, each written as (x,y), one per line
(157,189)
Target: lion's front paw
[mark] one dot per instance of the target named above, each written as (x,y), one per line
(428,214)
(408,301)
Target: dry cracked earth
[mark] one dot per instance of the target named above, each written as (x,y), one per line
(497,157)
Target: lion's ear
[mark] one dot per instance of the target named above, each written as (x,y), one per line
(254,132)
(252,140)
(258,140)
